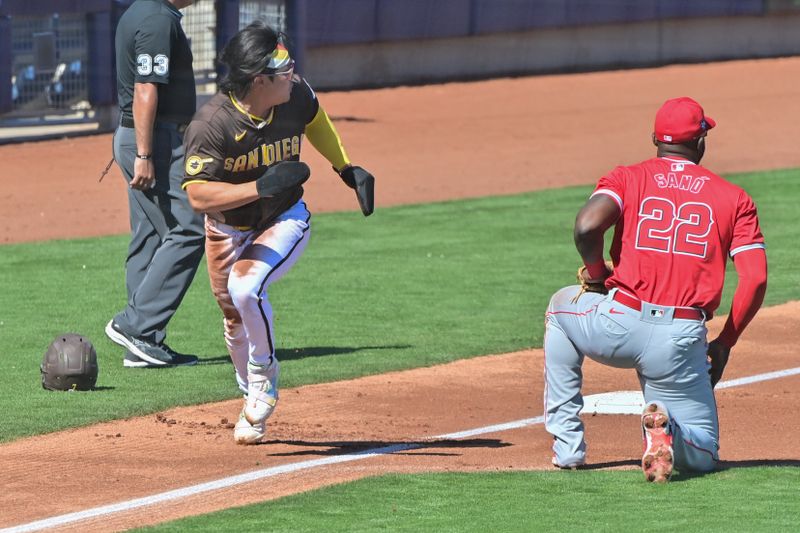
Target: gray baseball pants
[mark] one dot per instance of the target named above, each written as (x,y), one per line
(669,356)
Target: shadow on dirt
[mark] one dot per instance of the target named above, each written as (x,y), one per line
(288,354)
(384,447)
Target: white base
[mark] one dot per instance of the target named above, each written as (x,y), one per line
(614,403)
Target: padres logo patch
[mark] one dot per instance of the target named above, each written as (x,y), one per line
(195,164)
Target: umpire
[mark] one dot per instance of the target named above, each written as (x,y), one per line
(156,92)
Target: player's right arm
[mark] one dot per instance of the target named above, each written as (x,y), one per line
(204,182)
(593,220)
(221,196)
(205,143)
(211,196)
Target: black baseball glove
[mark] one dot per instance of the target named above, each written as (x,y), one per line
(364,184)
(282,176)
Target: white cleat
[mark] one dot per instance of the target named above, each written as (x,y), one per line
(262,392)
(246,433)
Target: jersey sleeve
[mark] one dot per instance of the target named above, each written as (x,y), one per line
(746,230)
(205,148)
(307,101)
(153,45)
(613,185)
(326,140)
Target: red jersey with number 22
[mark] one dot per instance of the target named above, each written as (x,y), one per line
(679,224)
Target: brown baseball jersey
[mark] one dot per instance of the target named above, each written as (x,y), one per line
(225,143)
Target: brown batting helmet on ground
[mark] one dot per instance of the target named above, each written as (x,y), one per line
(70,363)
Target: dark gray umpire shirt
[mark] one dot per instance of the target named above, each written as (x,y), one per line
(152,48)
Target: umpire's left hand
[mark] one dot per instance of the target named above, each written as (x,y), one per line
(144,174)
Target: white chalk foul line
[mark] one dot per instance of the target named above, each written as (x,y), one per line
(256,475)
(490,429)
(758,377)
(206,487)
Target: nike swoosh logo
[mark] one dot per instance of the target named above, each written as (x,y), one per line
(615,312)
(239,136)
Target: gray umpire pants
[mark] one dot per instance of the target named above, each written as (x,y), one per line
(167,237)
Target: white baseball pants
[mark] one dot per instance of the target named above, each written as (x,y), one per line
(242,263)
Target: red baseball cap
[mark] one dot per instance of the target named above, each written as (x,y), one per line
(680,120)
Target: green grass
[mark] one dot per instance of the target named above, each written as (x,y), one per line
(410,286)
(741,499)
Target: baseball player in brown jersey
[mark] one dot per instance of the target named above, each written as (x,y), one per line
(243,172)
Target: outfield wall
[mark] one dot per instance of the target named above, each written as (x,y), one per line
(57,62)
(548,50)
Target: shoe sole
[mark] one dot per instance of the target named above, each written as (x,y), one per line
(247,435)
(120,339)
(248,440)
(658,458)
(144,364)
(137,364)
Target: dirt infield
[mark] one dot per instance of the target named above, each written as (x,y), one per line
(425,143)
(450,141)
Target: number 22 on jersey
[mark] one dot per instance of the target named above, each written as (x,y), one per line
(667,228)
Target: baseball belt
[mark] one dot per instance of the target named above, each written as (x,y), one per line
(127,122)
(685,313)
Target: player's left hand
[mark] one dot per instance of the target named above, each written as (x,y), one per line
(364,183)
(718,357)
(594,285)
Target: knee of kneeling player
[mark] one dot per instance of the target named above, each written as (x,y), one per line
(694,458)
(702,465)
